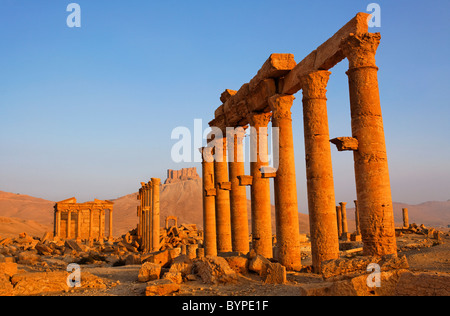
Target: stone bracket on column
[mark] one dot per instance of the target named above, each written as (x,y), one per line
(211,192)
(225,186)
(345,143)
(245,180)
(268,172)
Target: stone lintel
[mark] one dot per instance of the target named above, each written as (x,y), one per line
(227,94)
(327,55)
(345,143)
(245,180)
(276,66)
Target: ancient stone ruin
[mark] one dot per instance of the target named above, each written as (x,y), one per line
(184,174)
(269,97)
(83,221)
(148,212)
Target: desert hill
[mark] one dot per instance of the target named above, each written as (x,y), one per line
(183,199)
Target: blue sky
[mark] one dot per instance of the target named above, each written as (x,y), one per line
(88,112)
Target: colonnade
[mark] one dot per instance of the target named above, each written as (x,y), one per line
(148,212)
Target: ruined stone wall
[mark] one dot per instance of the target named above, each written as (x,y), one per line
(184,174)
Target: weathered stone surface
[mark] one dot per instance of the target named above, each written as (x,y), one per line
(73,245)
(161,288)
(238,263)
(227,94)
(258,264)
(423,284)
(274,273)
(133,259)
(8,268)
(214,270)
(277,65)
(345,143)
(326,55)
(6,288)
(28,258)
(38,283)
(43,249)
(149,272)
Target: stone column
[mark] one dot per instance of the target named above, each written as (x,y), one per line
(156,221)
(101,228)
(79,212)
(209,200)
(139,211)
(91,222)
(286,205)
(110,225)
(69,222)
(58,224)
(358,229)
(319,170)
(371,165)
(405,218)
(339,220)
(223,213)
(150,215)
(260,190)
(344,218)
(238,194)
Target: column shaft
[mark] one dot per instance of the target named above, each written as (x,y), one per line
(344,217)
(238,194)
(110,235)
(69,224)
(223,215)
(405,218)
(286,204)
(260,190)
(156,221)
(371,165)
(339,220)
(319,170)
(209,207)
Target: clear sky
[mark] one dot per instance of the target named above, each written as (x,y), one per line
(88,112)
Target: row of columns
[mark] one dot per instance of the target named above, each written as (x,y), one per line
(342,223)
(101,230)
(149,215)
(371,172)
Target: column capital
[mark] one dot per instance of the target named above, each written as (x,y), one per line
(258,119)
(343,203)
(360,49)
(314,84)
(155,182)
(281,105)
(207,154)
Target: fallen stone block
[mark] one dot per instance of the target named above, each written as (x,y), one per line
(39,283)
(28,258)
(213,270)
(73,245)
(258,264)
(275,273)
(149,272)
(239,264)
(423,284)
(161,288)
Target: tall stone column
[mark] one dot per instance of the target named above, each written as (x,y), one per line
(110,235)
(209,200)
(69,224)
(156,221)
(223,212)
(319,170)
(150,215)
(101,227)
(79,214)
(344,218)
(91,222)
(260,190)
(58,224)
(405,218)
(286,204)
(238,194)
(339,220)
(358,227)
(139,211)
(371,165)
